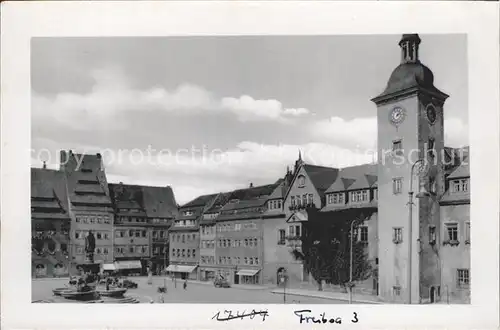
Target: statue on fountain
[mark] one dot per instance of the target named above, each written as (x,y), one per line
(90,247)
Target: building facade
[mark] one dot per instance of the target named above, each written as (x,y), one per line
(132,247)
(50,239)
(69,203)
(90,206)
(239,241)
(413,263)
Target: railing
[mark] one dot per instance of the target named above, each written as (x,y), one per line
(302,206)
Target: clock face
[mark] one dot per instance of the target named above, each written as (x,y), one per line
(397,115)
(431,113)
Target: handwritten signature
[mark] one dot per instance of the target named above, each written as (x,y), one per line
(230,316)
(322,317)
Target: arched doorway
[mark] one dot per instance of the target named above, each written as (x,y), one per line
(279,272)
(40,270)
(433,294)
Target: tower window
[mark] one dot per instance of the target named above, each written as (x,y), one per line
(397,235)
(397,147)
(452,231)
(397,185)
(432,234)
(302,181)
(396,290)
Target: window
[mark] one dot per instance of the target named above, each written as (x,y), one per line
(194,253)
(98,250)
(131,249)
(363,234)
(397,147)
(430,147)
(183,253)
(432,234)
(310,199)
(255,241)
(396,290)
(467,233)
(397,235)
(460,185)
(304,199)
(452,232)
(189,253)
(463,278)
(281,237)
(79,250)
(301,181)
(183,238)
(246,261)
(137,233)
(105,250)
(292,200)
(130,233)
(77,234)
(359,196)
(143,233)
(297,230)
(291,231)
(397,185)
(256,261)
(246,242)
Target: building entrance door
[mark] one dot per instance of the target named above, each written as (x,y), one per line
(236,278)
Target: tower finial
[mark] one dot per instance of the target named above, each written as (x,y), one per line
(300,155)
(409,48)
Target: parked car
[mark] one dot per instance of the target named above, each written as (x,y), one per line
(221,283)
(128,284)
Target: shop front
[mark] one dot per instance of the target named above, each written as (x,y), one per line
(249,276)
(207,274)
(182,271)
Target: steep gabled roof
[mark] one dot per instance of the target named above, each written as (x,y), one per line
(279,192)
(321,177)
(159,202)
(48,193)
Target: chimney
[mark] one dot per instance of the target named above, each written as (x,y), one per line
(251,185)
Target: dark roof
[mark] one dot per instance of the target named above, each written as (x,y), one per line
(253,192)
(321,177)
(159,202)
(199,201)
(355,177)
(243,209)
(279,192)
(48,193)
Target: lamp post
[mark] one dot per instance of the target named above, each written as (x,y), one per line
(421,194)
(350,260)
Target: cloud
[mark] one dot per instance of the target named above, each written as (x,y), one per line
(362,132)
(192,172)
(358,132)
(112,96)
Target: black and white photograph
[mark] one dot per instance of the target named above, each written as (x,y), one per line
(252,170)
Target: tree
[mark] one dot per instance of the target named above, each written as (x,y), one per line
(326,249)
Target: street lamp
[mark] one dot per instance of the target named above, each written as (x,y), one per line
(350,261)
(421,194)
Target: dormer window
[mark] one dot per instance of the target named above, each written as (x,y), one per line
(301,181)
(188,213)
(336,198)
(459,185)
(359,196)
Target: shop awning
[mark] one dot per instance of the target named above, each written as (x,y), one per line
(129,264)
(248,272)
(108,267)
(181,268)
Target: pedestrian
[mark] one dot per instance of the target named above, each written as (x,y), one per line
(185,284)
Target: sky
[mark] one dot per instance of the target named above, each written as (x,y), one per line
(209,114)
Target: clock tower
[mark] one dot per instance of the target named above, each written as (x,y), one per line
(410,127)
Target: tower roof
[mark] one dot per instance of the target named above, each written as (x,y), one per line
(411,74)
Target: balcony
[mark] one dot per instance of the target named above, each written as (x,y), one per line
(299,207)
